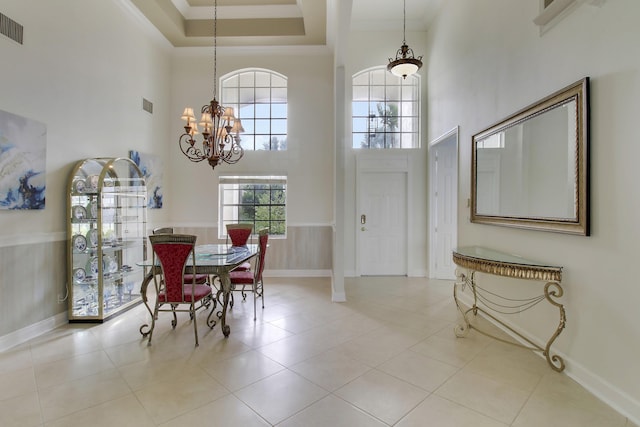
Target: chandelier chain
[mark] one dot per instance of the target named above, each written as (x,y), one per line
(215,48)
(404,22)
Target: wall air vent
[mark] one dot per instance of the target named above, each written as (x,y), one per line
(147,106)
(10,28)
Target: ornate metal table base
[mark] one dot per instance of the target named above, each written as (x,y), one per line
(487,261)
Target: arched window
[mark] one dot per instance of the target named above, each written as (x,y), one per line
(385,110)
(259,98)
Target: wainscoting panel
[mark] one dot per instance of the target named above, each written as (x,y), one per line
(306,247)
(32,278)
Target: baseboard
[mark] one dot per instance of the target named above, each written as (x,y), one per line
(617,399)
(25,334)
(297,273)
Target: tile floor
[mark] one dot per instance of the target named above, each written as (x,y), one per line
(387,357)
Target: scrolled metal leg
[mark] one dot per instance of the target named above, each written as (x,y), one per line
(461,330)
(225,284)
(145,329)
(554,290)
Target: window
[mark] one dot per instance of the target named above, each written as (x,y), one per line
(385,110)
(259,200)
(259,99)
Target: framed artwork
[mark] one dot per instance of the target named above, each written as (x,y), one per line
(151,167)
(23,144)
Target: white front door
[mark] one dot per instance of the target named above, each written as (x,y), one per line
(443,199)
(382,223)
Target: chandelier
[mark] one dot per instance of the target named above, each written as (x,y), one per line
(405,63)
(220,128)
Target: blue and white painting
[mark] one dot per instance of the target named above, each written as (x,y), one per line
(151,167)
(23,144)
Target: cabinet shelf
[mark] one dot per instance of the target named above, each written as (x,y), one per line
(106,237)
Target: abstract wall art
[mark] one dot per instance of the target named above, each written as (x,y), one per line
(151,167)
(23,144)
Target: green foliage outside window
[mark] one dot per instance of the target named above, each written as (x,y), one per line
(264,206)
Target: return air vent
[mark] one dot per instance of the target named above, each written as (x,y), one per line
(147,106)
(10,28)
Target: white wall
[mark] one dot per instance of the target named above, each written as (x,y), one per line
(308,160)
(84,77)
(487,60)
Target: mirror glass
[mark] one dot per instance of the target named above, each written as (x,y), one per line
(530,170)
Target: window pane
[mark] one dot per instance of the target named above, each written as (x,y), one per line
(229,96)
(263,111)
(247,95)
(360,109)
(279,126)
(247,140)
(263,126)
(393,93)
(377,93)
(377,77)
(262,142)
(231,81)
(361,79)
(246,111)
(360,93)
(278,142)
(263,95)
(247,79)
(360,124)
(263,79)
(278,111)
(277,81)
(249,127)
(279,94)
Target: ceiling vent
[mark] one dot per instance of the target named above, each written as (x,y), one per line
(10,28)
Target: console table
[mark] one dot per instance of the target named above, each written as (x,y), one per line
(478,259)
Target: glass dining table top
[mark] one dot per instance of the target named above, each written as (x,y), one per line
(216,255)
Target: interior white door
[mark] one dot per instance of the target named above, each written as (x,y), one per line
(444,201)
(382,224)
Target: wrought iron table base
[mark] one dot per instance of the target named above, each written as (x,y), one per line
(551,290)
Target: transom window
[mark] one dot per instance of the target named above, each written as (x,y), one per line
(385,110)
(259,98)
(258,200)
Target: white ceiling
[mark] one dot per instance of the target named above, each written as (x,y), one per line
(189,23)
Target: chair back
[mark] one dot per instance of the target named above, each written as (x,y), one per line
(239,233)
(171,252)
(263,239)
(163,230)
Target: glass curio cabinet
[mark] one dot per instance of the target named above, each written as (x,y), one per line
(106,223)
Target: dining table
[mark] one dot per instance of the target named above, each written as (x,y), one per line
(216,260)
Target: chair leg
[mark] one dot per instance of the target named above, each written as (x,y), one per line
(254,288)
(174,322)
(195,323)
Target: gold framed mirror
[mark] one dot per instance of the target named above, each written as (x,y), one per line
(531,170)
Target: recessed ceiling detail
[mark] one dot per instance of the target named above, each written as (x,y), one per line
(189,23)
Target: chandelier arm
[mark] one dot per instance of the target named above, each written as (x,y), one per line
(187,147)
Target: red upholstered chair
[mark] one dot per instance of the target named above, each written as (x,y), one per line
(171,252)
(253,277)
(239,235)
(201,279)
